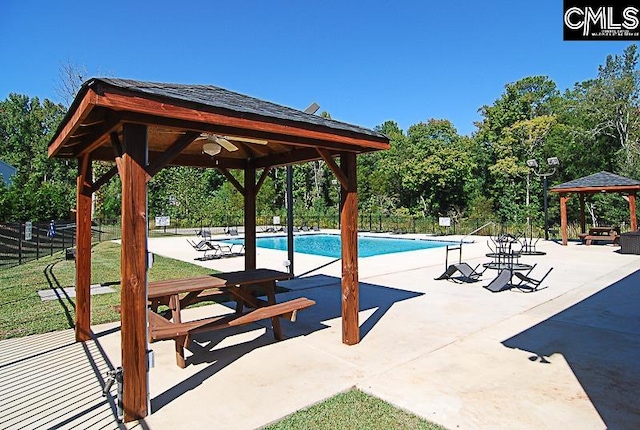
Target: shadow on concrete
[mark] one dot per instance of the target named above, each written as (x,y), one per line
(599,338)
(325,290)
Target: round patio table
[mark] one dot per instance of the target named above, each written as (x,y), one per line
(533,253)
(507,266)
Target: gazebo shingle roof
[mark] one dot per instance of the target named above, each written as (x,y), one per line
(216,97)
(598,180)
(177,113)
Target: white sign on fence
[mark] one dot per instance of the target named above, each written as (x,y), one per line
(444,221)
(28,230)
(163,221)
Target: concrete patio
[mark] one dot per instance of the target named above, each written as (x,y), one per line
(456,354)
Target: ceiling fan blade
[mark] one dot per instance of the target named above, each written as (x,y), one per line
(246,140)
(222,141)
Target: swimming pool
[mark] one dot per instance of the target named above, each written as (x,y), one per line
(328,245)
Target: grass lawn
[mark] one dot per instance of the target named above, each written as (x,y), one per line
(24,313)
(353,410)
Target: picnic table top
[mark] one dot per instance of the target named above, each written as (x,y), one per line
(170,287)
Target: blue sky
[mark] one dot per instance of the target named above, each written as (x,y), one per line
(363,62)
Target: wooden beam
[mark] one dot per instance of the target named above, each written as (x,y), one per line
(250,218)
(286,158)
(83,250)
(263,176)
(632,212)
(170,154)
(81,112)
(137,104)
(238,186)
(104,179)
(326,156)
(133,260)
(563,218)
(95,138)
(349,236)
(272,138)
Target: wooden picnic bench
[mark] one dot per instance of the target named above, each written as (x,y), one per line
(609,234)
(180,293)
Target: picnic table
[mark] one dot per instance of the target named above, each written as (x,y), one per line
(600,234)
(177,294)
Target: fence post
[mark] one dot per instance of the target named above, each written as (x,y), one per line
(37,242)
(19,243)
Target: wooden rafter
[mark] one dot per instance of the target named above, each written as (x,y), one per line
(263,176)
(96,137)
(83,110)
(326,156)
(104,179)
(178,146)
(241,189)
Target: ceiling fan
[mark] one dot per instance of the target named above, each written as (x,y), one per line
(214,142)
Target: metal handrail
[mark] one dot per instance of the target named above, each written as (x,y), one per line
(476,230)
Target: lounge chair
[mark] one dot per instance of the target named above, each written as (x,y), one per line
(501,282)
(206,234)
(467,273)
(529,284)
(200,246)
(232,231)
(316,228)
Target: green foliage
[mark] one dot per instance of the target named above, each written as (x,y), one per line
(42,188)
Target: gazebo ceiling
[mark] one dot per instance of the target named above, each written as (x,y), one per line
(178,116)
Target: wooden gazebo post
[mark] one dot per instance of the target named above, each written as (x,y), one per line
(133,256)
(83,250)
(349,236)
(563,218)
(632,211)
(250,217)
(583,227)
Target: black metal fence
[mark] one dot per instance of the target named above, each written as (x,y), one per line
(22,242)
(17,246)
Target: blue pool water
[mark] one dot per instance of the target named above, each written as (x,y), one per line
(328,245)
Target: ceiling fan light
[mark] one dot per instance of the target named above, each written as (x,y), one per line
(211,148)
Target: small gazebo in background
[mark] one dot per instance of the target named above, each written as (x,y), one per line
(602,182)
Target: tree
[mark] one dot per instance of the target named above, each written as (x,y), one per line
(610,107)
(515,128)
(42,188)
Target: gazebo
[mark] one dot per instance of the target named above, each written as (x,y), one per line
(142,127)
(602,182)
